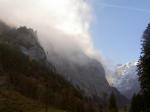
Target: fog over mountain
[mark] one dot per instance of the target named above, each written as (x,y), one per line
(64,24)
(48,56)
(63,30)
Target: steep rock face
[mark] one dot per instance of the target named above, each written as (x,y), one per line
(125,79)
(25,39)
(86,73)
(89,75)
(3,27)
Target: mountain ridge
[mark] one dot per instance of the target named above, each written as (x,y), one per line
(88,76)
(125,79)
(35,80)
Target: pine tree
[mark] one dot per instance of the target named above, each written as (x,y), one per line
(144,68)
(112,103)
(133,104)
(136,103)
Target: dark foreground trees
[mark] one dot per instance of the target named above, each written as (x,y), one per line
(144,69)
(141,102)
(136,103)
(112,103)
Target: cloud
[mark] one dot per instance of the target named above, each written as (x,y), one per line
(62,23)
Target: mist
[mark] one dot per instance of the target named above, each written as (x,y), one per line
(61,25)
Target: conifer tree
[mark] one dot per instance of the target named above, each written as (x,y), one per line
(136,103)
(144,68)
(112,103)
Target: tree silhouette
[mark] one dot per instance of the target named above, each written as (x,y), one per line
(112,103)
(136,103)
(144,68)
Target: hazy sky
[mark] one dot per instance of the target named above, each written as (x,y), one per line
(118,26)
(113,27)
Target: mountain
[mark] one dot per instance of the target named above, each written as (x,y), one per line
(29,83)
(79,81)
(89,75)
(125,79)
(25,39)
(85,73)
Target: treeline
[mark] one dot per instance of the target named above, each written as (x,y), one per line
(141,101)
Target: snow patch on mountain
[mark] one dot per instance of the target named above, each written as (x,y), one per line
(125,79)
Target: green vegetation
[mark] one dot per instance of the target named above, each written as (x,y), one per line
(28,85)
(52,110)
(136,104)
(112,103)
(141,101)
(12,101)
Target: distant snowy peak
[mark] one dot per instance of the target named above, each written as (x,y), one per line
(125,79)
(127,65)
(123,69)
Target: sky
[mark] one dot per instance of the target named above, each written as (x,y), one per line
(113,27)
(117,27)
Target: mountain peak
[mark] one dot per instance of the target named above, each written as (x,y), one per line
(125,78)
(24,38)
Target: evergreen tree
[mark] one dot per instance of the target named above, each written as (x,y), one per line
(112,103)
(136,104)
(144,68)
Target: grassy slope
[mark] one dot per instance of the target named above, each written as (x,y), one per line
(52,110)
(12,101)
